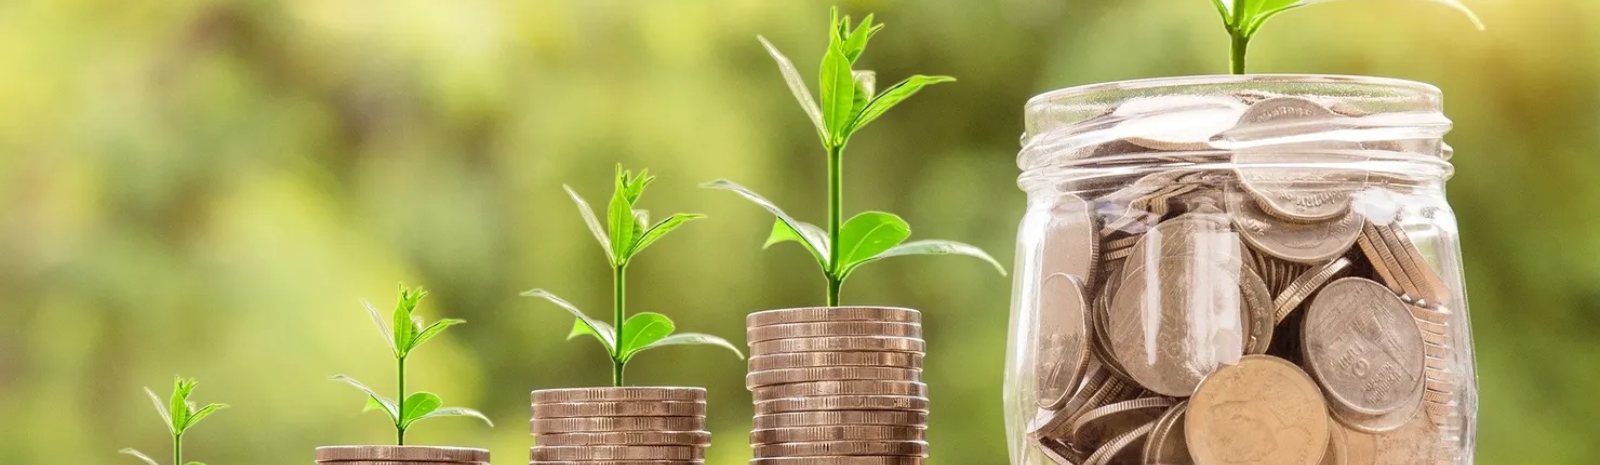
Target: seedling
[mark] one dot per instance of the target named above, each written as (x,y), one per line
(1243,18)
(849,103)
(628,231)
(179,414)
(409,333)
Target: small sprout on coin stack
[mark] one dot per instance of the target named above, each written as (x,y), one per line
(1244,18)
(849,103)
(179,414)
(409,332)
(627,232)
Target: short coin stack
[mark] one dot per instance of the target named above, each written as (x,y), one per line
(620,426)
(838,386)
(399,455)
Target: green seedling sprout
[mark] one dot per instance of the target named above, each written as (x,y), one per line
(179,414)
(1243,18)
(409,333)
(849,103)
(627,232)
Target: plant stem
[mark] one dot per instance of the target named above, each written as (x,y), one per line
(400,431)
(177,448)
(619,296)
(835,220)
(1241,47)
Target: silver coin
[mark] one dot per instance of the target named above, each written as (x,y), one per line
(1063,339)
(1297,242)
(1363,346)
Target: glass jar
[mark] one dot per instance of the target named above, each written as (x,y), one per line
(1242,270)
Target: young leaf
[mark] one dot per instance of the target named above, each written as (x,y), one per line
(201,414)
(178,406)
(579,328)
(140,455)
(377,319)
(458,412)
(660,230)
(405,328)
(868,234)
(682,339)
(856,42)
(837,84)
(417,406)
(433,330)
(601,331)
(389,406)
(781,232)
(644,329)
(814,238)
(161,408)
(893,96)
(195,463)
(619,219)
(797,86)
(932,247)
(590,219)
(866,85)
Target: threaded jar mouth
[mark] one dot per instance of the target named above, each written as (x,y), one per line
(1391,128)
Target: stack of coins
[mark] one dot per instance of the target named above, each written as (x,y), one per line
(643,425)
(1235,308)
(838,386)
(400,455)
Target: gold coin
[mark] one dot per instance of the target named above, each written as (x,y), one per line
(843,449)
(1363,346)
(791,420)
(629,438)
(1063,343)
(839,344)
(601,453)
(543,426)
(840,388)
(829,359)
(1306,284)
(830,403)
(862,460)
(613,394)
(620,409)
(834,328)
(401,453)
(1338,446)
(837,433)
(820,314)
(1260,411)
(847,373)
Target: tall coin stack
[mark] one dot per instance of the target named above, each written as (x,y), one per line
(612,426)
(838,386)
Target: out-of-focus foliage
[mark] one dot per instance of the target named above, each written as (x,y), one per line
(235,176)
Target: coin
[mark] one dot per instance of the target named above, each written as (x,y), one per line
(1416,442)
(395,462)
(1295,242)
(843,449)
(620,409)
(1385,263)
(1120,445)
(847,373)
(671,394)
(862,460)
(1100,425)
(1309,282)
(838,344)
(834,328)
(611,424)
(1063,339)
(1338,446)
(618,462)
(1280,117)
(603,453)
(1363,346)
(1175,122)
(790,420)
(826,359)
(1285,190)
(837,433)
(821,314)
(401,453)
(1071,242)
(1257,301)
(1260,411)
(631,438)
(840,388)
(1166,444)
(1057,451)
(1429,285)
(856,402)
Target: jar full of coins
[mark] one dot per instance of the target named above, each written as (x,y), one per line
(1240,270)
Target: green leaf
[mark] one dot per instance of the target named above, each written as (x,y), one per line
(579,329)
(178,406)
(434,330)
(405,327)
(458,412)
(201,414)
(866,85)
(660,230)
(161,408)
(601,331)
(782,232)
(418,405)
(377,319)
(388,405)
(838,85)
(856,42)
(683,339)
(590,219)
(643,329)
(868,234)
(195,463)
(797,86)
(812,237)
(933,247)
(893,96)
(139,455)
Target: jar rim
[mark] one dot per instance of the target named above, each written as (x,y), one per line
(1422,88)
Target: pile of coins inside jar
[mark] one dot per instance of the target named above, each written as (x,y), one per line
(400,455)
(1242,310)
(608,426)
(838,386)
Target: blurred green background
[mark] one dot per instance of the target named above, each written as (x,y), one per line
(211,188)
